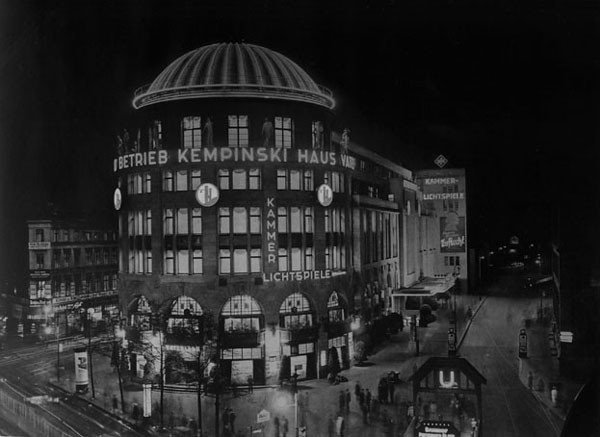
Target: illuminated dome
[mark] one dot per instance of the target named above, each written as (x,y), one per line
(233,70)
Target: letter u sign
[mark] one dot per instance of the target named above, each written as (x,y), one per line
(447,383)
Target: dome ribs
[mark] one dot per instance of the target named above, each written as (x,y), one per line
(268,65)
(200,66)
(241,66)
(213,65)
(257,71)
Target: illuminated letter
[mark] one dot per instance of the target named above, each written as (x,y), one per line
(226,153)
(210,154)
(302,156)
(163,157)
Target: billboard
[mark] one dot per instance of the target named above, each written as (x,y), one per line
(81,369)
(452,233)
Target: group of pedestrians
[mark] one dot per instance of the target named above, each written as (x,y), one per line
(370,405)
(228,419)
(280,427)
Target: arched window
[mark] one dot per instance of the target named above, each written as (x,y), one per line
(241,313)
(184,316)
(335,309)
(139,311)
(296,312)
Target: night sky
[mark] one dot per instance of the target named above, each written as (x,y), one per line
(507,89)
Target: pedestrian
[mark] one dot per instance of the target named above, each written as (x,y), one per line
(135,412)
(365,412)
(284,426)
(232,421)
(225,419)
(554,395)
(541,386)
(384,391)
(276,426)
(342,401)
(171,420)
(368,398)
(250,384)
(115,403)
(530,380)
(357,391)
(331,427)
(392,389)
(348,399)
(410,412)
(361,398)
(339,426)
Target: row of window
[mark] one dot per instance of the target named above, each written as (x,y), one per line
(197,132)
(450,204)
(66,235)
(451,261)
(72,285)
(65,258)
(379,235)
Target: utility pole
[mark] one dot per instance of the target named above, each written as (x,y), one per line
(57,349)
(117,352)
(89,322)
(200,372)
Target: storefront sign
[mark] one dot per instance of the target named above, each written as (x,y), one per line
(298,366)
(297,276)
(233,154)
(270,236)
(452,230)
(447,379)
(437,429)
(444,196)
(441,181)
(263,416)
(39,245)
(207,195)
(38,274)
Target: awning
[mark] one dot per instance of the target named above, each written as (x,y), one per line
(427,287)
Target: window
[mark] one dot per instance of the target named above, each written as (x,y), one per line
(295,219)
(282,219)
(254,176)
(167,180)
(255,260)
(191,132)
(224,221)
(147,183)
(237,131)
(308,180)
(148,254)
(39,235)
(196,179)
(182,221)
(308,258)
(168,222)
(224,261)
(169,262)
(283,132)
(183,261)
(239,179)
(295,312)
(283,259)
(295,258)
(148,222)
(240,261)
(294,180)
(224,179)
(196,221)
(255,220)
(181,180)
(327,220)
(197,261)
(156,135)
(39,260)
(281,179)
(240,220)
(308,219)
(318,134)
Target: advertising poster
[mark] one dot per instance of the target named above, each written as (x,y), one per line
(81,369)
(241,371)
(452,230)
(298,365)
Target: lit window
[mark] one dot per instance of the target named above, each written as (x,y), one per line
(239,179)
(295,219)
(182,221)
(168,222)
(183,261)
(283,132)
(196,221)
(181,180)
(317,134)
(308,219)
(197,262)
(148,222)
(240,220)
(224,221)
(224,261)
(254,182)
(327,220)
(281,219)
(240,261)
(255,260)
(156,135)
(196,179)
(308,180)
(283,259)
(139,186)
(255,220)
(308,258)
(281,179)
(192,132)
(39,235)
(294,179)
(295,259)
(237,131)
(148,262)
(148,182)
(169,262)
(224,179)
(167,180)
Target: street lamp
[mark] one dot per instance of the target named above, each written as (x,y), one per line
(119,335)
(89,313)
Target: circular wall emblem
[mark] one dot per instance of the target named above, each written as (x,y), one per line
(117,199)
(325,195)
(207,194)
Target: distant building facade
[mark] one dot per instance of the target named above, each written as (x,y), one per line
(72,275)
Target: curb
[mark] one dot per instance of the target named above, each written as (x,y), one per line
(466,330)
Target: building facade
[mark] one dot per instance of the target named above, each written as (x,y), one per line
(72,276)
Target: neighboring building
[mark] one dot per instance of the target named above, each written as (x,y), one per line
(444,198)
(72,273)
(242,214)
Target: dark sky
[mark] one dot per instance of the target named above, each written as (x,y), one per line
(506,89)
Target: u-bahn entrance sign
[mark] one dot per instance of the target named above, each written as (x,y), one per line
(443,376)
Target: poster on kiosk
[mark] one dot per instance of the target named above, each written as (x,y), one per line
(81,370)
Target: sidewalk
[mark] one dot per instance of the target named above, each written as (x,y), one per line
(542,362)
(318,400)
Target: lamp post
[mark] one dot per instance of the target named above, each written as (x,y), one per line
(57,348)
(89,313)
(119,335)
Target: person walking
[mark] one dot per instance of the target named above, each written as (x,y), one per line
(368,398)
(342,401)
(361,398)
(339,426)
(365,412)
(285,427)
(225,420)
(276,426)
(391,389)
(135,412)
(232,421)
(357,389)
(554,395)
(348,399)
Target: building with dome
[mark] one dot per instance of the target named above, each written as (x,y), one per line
(248,229)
